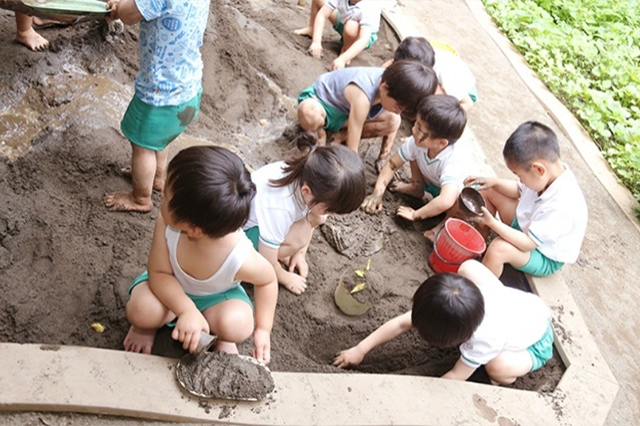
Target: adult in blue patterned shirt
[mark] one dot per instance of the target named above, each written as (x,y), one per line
(167,89)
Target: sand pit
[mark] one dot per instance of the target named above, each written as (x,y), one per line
(66,262)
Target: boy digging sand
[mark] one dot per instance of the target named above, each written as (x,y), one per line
(364,102)
(167,89)
(199,255)
(442,164)
(543,217)
(357,22)
(506,330)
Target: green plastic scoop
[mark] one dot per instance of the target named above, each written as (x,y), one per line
(68,7)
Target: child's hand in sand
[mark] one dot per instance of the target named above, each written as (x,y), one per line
(112,5)
(480,183)
(299,261)
(262,345)
(316,50)
(373,203)
(338,64)
(352,356)
(295,283)
(406,213)
(188,327)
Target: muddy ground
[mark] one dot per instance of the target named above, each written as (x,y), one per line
(66,262)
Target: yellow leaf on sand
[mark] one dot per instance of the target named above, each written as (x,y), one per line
(360,273)
(358,288)
(97,327)
(368,265)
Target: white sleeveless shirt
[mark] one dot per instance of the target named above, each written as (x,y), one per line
(222,280)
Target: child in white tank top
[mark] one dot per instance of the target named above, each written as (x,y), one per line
(198,257)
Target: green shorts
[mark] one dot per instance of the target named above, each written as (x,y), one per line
(538,265)
(339,27)
(431,188)
(542,350)
(253,234)
(154,127)
(335,119)
(202,302)
(473,94)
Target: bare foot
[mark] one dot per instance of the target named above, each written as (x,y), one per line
(124,202)
(410,189)
(140,341)
(226,347)
(306,31)
(158,181)
(338,138)
(46,23)
(32,40)
(429,234)
(380,163)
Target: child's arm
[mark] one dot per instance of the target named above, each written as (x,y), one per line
(517,238)
(125,10)
(257,271)
(506,187)
(460,371)
(358,110)
(443,202)
(291,281)
(354,50)
(373,203)
(389,330)
(318,27)
(168,290)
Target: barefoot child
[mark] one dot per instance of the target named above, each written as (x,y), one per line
(292,199)
(198,257)
(26,35)
(505,329)
(441,163)
(167,89)
(364,102)
(454,76)
(543,216)
(357,22)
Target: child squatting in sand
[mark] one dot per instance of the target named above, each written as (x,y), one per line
(506,330)
(357,22)
(364,102)
(199,255)
(442,163)
(543,216)
(293,198)
(167,89)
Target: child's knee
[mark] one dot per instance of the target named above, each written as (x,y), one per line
(237,324)
(310,114)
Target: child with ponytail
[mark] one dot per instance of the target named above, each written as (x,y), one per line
(294,196)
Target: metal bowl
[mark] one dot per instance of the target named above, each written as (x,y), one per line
(471,201)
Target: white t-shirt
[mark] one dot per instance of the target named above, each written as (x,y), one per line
(274,209)
(366,12)
(451,165)
(513,320)
(453,74)
(555,220)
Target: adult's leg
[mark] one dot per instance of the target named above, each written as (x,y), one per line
(143,171)
(146,314)
(25,34)
(232,322)
(316,5)
(508,366)
(500,252)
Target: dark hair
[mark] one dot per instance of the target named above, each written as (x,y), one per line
(531,141)
(444,116)
(408,82)
(415,49)
(335,175)
(211,189)
(447,310)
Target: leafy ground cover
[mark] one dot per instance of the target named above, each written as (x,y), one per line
(588,54)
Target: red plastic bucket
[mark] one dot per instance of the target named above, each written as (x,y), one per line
(454,243)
